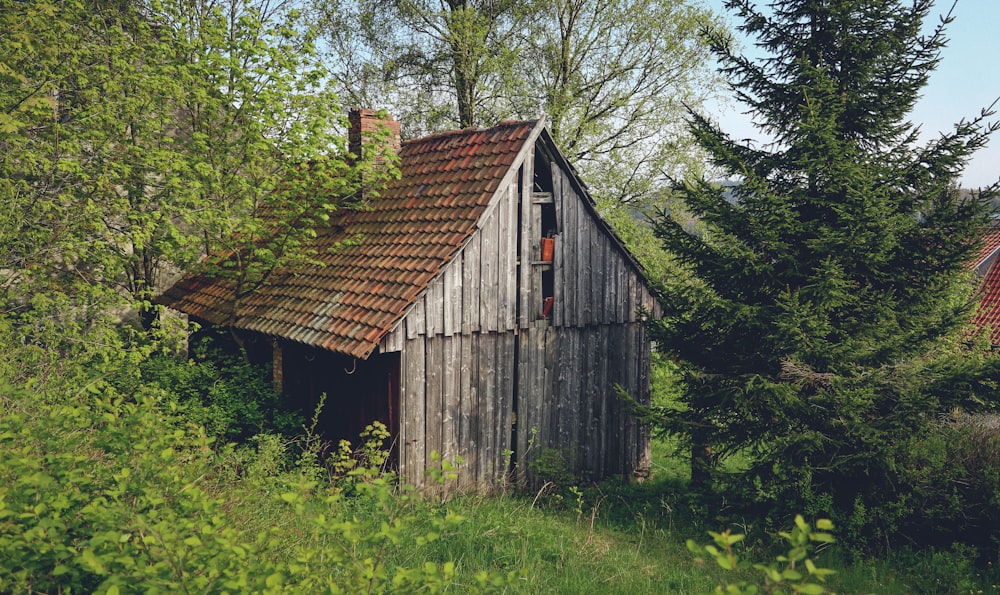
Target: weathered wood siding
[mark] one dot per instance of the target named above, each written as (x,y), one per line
(456,401)
(457,360)
(486,377)
(595,284)
(568,400)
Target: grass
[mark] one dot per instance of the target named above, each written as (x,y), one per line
(611,538)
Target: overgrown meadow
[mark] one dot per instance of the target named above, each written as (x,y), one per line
(133,469)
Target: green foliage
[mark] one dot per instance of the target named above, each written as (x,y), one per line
(783,575)
(825,323)
(552,466)
(949,486)
(139,136)
(613,76)
(233,399)
(943,571)
(104,491)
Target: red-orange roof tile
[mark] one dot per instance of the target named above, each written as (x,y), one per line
(991,243)
(988,313)
(401,242)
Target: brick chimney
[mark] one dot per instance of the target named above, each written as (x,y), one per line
(367,128)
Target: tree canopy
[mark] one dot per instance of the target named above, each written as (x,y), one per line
(613,76)
(826,317)
(137,137)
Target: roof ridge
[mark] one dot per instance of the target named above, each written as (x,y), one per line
(469,130)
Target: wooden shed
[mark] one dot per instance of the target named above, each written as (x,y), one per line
(482,310)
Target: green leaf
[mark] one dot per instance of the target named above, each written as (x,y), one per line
(791,574)
(724,562)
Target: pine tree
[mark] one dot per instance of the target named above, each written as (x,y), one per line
(825,321)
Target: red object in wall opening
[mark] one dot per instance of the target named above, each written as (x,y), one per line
(547,307)
(548,249)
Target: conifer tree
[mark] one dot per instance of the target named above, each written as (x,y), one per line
(825,321)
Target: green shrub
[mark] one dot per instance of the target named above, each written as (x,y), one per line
(107,492)
(232,398)
(950,485)
(794,570)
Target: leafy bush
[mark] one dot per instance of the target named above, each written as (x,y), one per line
(232,398)
(104,491)
(794,570)
(951,485)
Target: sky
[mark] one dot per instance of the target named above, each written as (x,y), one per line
(966,80)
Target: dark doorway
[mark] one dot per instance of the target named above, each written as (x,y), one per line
(358,392)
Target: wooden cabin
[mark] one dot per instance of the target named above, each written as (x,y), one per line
(482,310)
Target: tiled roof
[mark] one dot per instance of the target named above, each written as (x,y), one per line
(988,313)
(398,245)
(991,242)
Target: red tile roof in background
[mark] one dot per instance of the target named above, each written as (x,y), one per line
(988,313)
(990,244)
(399,244)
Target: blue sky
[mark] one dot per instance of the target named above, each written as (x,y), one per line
(967,80)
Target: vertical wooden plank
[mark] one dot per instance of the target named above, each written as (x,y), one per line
(403,454)
(558,256)
(542,393)
(597,253)
(557,182)
(471,282)
(556,409)
(643,396)
(447,291)
(605,393)
(451,401)
(569,408)
(415,326)
(525,255)
(466,472)
(475,439)
(611,421)
(609,256)
(489,257)
(550,346)
(487,394)
(513,210)
(586,273)
(534,303)
(589,434)
(629,294)
(620,359)
(505,402)
(434,302)
(503,232)
(452,283)
(570,274)
(412,404)
(434,408)
(636,296)
(508,259)
(621,287)
(525,404)
(635,443)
